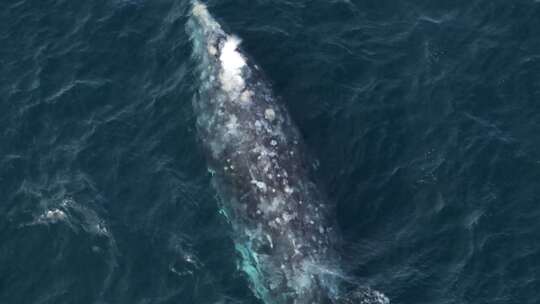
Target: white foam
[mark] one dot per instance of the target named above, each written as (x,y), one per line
(232,125)
(231,63)
(54,215)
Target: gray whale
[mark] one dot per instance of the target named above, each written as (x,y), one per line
(282,226)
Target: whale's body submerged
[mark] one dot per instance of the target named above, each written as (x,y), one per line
(281,224)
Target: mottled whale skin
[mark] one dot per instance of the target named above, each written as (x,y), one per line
(282,227)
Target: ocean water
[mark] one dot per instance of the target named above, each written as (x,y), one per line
(423,117)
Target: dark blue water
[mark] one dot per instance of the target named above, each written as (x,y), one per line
(424,117)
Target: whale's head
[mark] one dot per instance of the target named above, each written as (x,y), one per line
(206,33)
(217,54)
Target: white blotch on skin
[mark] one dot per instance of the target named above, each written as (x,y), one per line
(246,96)
(287,217)
(232,125)
(270,114)
(269,238)
(260,185)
